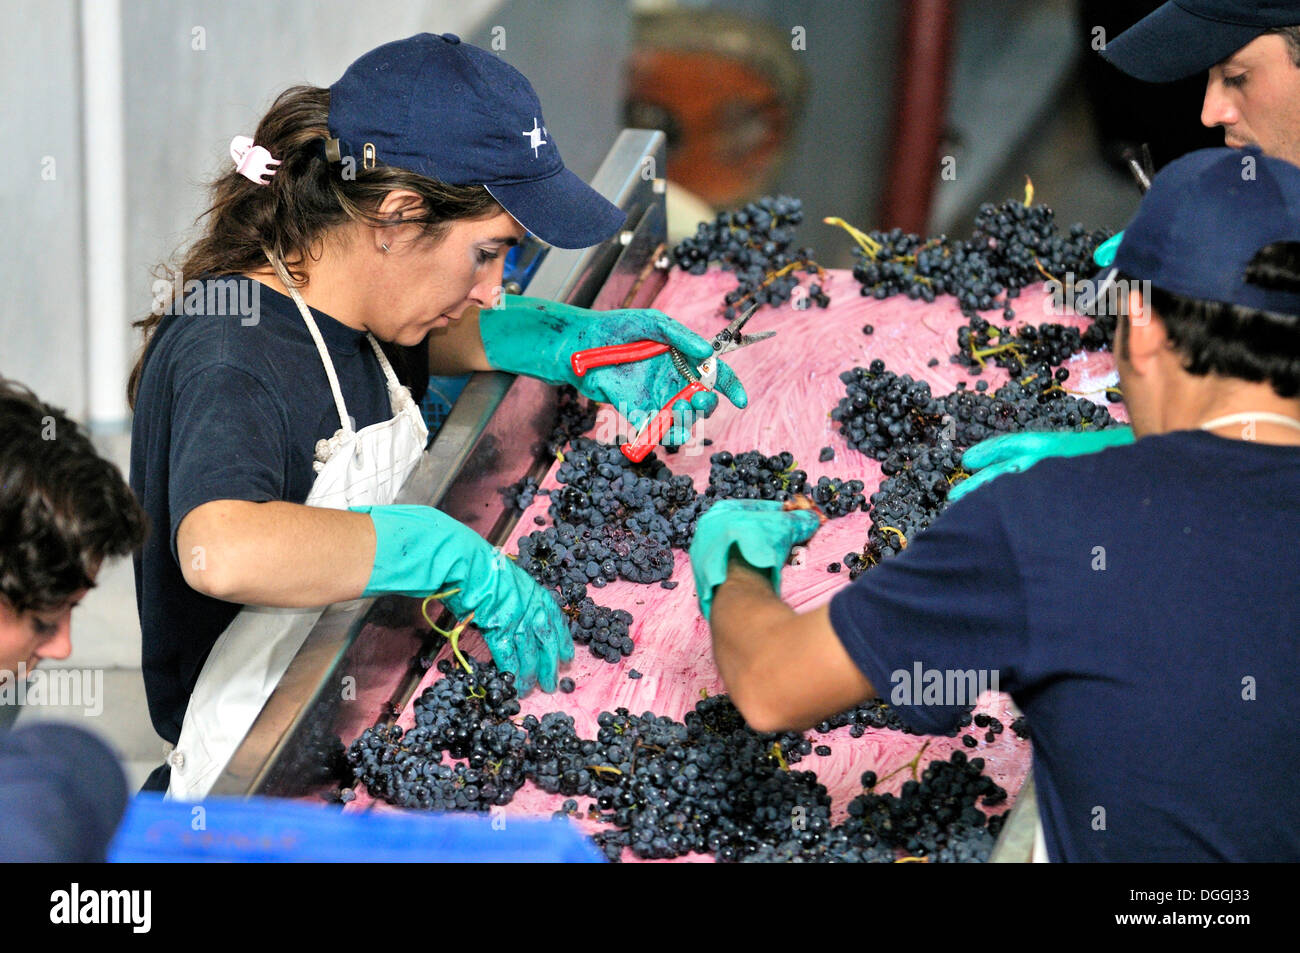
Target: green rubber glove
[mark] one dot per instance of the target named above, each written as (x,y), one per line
(420,550)
(1104,255)
(536,337)
(761,529)
(1014,452)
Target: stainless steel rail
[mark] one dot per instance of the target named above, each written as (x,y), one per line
(363,659)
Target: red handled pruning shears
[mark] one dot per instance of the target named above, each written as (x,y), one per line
(698,379)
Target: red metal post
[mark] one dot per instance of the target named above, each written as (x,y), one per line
(920,114)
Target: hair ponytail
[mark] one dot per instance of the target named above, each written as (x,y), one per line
(305,199)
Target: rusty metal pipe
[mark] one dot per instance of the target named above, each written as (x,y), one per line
(920,114)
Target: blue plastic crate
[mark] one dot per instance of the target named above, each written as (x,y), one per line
(271,830)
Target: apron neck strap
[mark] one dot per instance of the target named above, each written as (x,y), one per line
(398,396)
(395,389)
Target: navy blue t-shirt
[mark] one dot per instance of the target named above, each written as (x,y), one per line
(1141,606)
(62,795)
(228,409)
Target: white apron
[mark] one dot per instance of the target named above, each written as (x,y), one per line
(364,468)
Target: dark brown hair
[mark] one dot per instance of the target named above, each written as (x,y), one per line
(63,508)
(306,198)
(1292,36)
(1233,341)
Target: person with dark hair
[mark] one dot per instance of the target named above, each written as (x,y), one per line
(1138,604)
(1251,54)
(63,511)
(271,433)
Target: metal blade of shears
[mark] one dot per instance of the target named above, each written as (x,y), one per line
(731,332)
(1140,165)
(745,341)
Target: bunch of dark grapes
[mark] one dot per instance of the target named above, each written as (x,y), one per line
(708,785)
(753,476)
(519,495)
(565,553)
(1012,246)
(559,761)
(467,716)
(835,497)
(936,817)
(912,495)
(639,550)
(605,631)
(923,269)
(754,243)
(978,342)
(600,485)
(1023,245)
(919,438)
(543,557)
(882,410)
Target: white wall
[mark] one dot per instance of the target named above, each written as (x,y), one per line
(41,279)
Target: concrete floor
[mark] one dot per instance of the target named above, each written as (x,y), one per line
(1068,174)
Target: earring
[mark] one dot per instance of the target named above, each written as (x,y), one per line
(385,248)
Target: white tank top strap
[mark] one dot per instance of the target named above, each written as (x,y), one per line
(345,423)
(1250,417)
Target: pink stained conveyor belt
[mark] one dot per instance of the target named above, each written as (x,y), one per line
(793,383)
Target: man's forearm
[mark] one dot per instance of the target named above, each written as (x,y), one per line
(458,348)
(747,620)
(784,670)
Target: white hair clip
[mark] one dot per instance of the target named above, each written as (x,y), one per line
(251,161)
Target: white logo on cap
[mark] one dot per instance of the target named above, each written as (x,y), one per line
(535,136)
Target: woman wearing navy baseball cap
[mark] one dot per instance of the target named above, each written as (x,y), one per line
(269,443)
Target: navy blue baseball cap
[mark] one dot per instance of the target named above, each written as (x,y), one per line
(1186,37)
(1205,217)
(456,113)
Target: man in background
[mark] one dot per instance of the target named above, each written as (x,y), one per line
(1250,53)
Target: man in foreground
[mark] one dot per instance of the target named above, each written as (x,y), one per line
(1149,632)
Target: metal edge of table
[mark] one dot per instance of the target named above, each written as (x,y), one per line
(1015,843)
(293,744)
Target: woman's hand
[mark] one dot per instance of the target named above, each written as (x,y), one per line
(539,338)
(420,551)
